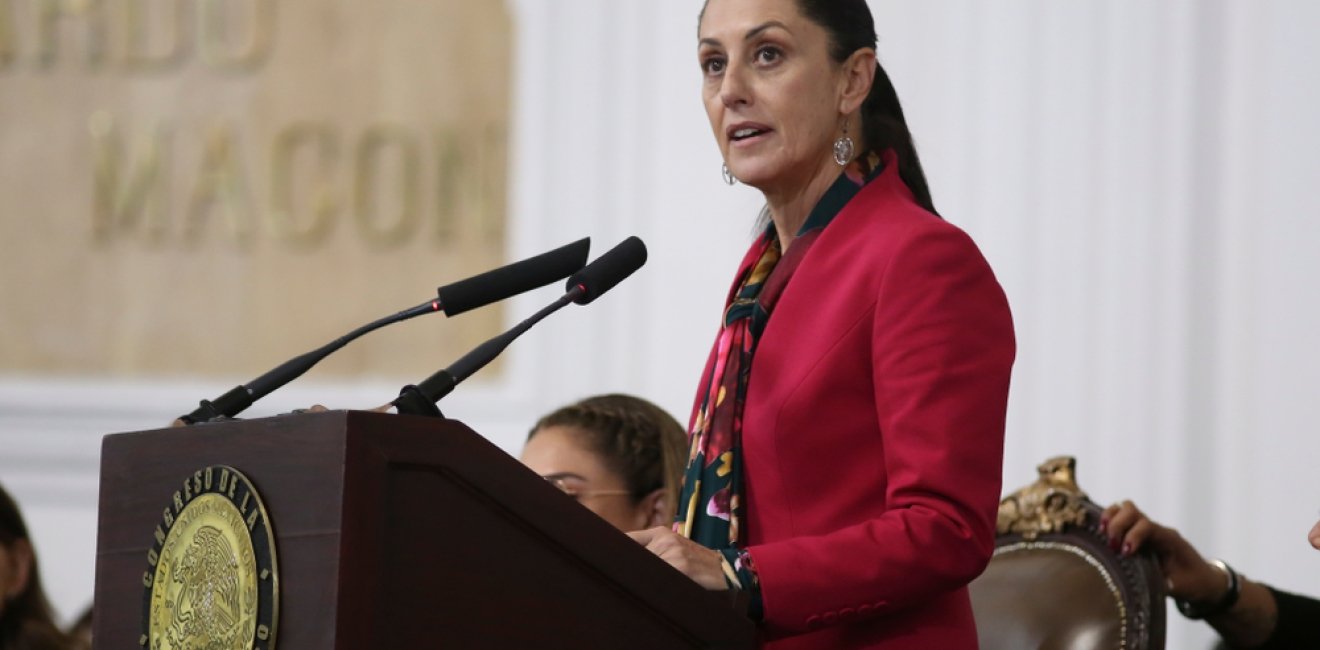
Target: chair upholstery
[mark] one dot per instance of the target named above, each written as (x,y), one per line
(1054,583)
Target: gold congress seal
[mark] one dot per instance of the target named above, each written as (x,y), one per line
(212,581)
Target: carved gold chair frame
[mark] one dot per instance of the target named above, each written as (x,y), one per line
(1054,514)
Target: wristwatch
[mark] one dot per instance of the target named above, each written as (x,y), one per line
(1198,611)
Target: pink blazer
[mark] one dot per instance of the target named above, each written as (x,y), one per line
(873,432)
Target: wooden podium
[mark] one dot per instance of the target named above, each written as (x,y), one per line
(397,531)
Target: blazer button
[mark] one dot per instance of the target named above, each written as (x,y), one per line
(813,622)
(865,610)
(830,618)
(847,614)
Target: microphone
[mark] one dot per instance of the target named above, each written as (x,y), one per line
(583,287)
(513,279)
(452,299)
(608,270)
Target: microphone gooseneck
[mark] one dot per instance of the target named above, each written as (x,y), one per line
(452,299)
(240,397)
(586,285)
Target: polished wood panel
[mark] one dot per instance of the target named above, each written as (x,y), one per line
(400,531)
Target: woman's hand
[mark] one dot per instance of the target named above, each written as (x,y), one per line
(1190,577)
(1315,535)
(383,408)
(1249,623)
(703,565)
(319,408)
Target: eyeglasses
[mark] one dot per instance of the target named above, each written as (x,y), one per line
(579,493)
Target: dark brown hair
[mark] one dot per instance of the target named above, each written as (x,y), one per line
(638,440)
(851,28)
(27,622)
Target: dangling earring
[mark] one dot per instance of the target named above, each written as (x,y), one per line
(843,148)
(728,175)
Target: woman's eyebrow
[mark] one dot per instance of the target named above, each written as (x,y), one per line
(751,33)
(756,31)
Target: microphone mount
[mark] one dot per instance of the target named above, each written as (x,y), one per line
(452,299)
(589,283)
(240,397)
(420,398)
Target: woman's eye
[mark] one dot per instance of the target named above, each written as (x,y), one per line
(767,55)
(712,66)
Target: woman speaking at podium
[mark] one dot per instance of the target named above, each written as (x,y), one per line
(847,437)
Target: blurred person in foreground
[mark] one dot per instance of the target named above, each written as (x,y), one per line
(1245,613)
(26,621)
(620,456)
(847,435)
(80,631)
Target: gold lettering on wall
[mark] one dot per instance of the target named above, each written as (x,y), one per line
(207,172)
(302,166)
(154,41)
(470,180)
(7,46)
(238,43)
(386,154)
(134,187)
(139,36)
(53,13)
(493,160)
(220,190)
(449,167)
(130,192)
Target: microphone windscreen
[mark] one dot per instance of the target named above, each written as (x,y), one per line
(608,270)
(513,279)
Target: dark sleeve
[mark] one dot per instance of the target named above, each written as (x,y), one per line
(1298,625)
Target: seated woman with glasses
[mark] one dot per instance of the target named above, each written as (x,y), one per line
(620,456)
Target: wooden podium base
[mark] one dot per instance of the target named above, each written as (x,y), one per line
(397,531)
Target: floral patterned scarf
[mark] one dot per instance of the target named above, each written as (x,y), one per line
(711,503)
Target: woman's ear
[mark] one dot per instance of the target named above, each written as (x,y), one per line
(858,75)
(657,510)
(20,559)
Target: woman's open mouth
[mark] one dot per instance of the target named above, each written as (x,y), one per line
(746,134)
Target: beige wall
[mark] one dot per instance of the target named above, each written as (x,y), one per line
(208,187)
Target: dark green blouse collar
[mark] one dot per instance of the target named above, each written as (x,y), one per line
(849,183)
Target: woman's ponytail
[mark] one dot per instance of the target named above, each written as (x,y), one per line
(851,27)
(885,127)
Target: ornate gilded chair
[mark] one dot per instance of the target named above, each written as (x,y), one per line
(1054,583)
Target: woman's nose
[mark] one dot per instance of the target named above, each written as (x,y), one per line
(734,90)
